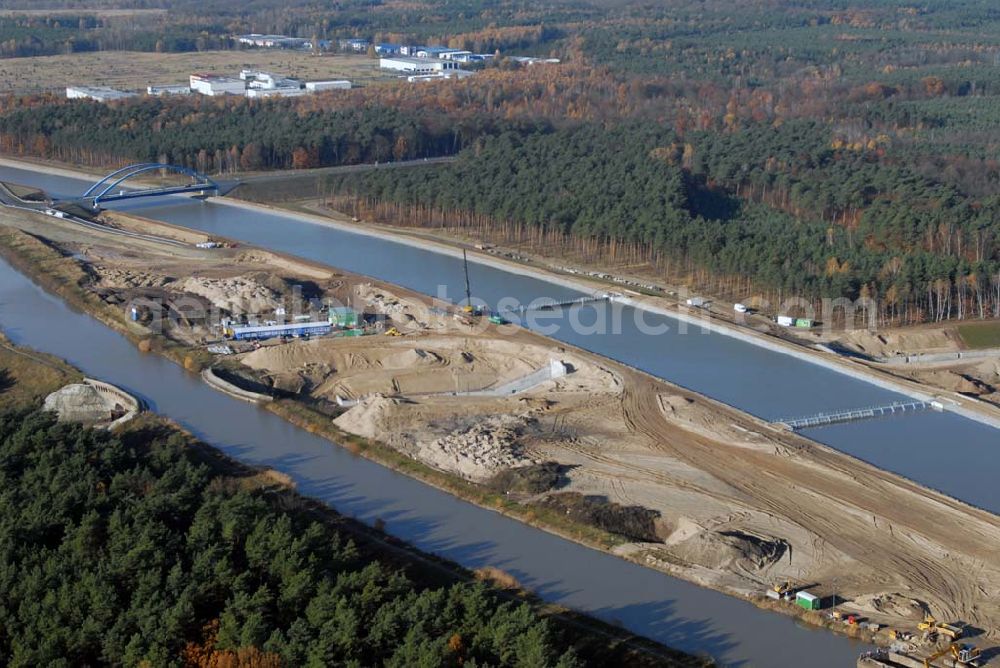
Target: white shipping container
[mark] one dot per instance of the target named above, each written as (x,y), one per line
(786,321)
(696,301)
(740,308)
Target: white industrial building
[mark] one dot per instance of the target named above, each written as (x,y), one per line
(438,76)
(266,80)
(258,93)
(212,85)
(317,86)
(416,65)
(274,41)
(441,52)
(97,93)
(472,57)
(170,89)
(528,60)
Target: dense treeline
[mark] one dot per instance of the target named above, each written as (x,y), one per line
(583,180)
(191,25)
(822,147)
(226,135)
(130,550)
(819,219)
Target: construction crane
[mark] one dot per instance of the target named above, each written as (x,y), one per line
(468,290)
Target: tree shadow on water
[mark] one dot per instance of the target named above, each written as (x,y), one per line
(661,622)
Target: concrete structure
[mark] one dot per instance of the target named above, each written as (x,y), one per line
(456,55)
(213,85)
(410,50)
(416,65)
(93,402)
(169,89)
(317,86)
(387,49)
(222,385)
(96,93)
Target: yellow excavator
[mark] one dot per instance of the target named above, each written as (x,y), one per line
(931,625)
(784,589)
(966,655)
(392,331)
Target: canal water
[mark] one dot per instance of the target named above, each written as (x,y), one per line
(655,605)
(765,383)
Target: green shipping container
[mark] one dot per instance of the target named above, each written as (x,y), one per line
(804,322)
(342,316)
(806,600)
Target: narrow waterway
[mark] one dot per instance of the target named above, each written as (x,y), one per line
(668,610)
(763,382)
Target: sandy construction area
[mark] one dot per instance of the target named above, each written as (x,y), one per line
(738,505)
(975,377)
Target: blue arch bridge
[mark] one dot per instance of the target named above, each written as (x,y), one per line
(112,187)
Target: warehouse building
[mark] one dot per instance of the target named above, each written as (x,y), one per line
(213,85)
(441,52)
(440,76)
(170,89)
(317,86)
(258,93)
(298,329)
(416,65)
(96,93)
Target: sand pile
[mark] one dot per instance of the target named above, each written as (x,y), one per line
(699,417)
(405,312)
(894,604)
(964,383)
(726,549)
(479,451)
(236,295)
(902,341)
(79,403)
(366,417)
(117,278)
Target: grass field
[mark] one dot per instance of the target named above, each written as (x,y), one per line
(131,70)
(26,376)
(980,335)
